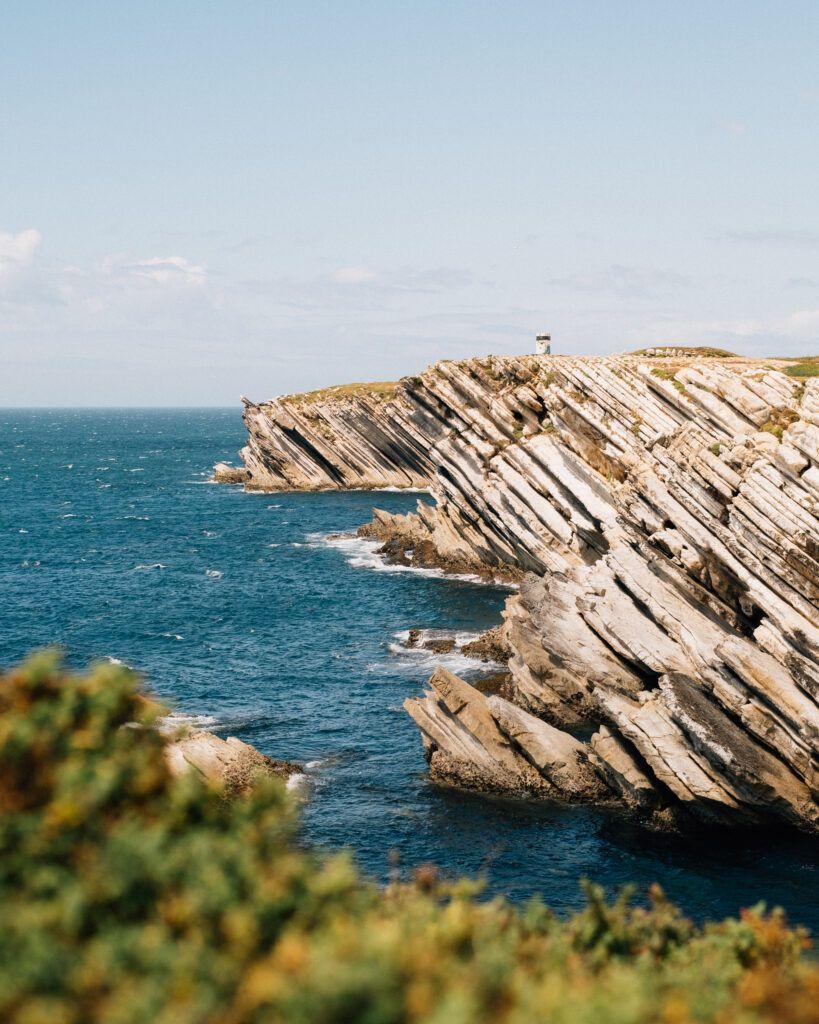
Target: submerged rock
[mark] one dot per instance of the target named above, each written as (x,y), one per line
(662,515)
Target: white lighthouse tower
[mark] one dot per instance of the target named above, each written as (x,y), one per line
(543,344)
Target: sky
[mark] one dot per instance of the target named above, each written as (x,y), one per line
(202,200)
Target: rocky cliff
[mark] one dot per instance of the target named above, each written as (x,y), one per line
(229,763)
(662,513)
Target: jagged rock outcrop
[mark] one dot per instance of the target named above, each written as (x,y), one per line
(665,511)
(225,473)
(362,436)
(229,763)
(487,743)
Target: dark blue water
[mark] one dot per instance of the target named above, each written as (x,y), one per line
(112,545)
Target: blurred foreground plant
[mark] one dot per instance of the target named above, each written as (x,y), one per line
(130,896)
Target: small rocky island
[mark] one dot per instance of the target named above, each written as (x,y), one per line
(660,513)
(229,763)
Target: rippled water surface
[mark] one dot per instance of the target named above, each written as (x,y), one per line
(240,611)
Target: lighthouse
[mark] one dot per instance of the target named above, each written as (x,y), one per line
(543,344)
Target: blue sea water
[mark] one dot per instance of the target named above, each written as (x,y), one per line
(241,612)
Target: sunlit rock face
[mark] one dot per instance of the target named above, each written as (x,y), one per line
(228,763)
(661,515)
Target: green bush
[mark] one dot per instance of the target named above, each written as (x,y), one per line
(130,896)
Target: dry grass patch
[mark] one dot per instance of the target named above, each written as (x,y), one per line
(382,389)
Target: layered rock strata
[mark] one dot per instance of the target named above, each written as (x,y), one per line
(664,511)
(337,439)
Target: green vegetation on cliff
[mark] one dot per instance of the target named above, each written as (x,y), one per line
(381,389)
(805,367)
(130,896)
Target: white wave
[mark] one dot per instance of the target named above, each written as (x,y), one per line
(140,470)
(423,663)
(117,661)
(273,506)
(179,720)
(362,553)
(401,490)
(274,545)
(215,574)
(208,533)
(22,530)
(172,636)
(460,637)
(297,783)
(153,565)
(420,659)
(70,515)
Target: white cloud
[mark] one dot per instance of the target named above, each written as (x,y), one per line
(162,270)
(762,336)
(353,275)
(625,282)
(18,250)
(169,270)
(736,129)
(804,323)
(429,280)
(797,237)
(119,292)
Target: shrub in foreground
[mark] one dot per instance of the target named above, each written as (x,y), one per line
(130,896)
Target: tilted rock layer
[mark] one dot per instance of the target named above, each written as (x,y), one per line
(664,513)
(229,763)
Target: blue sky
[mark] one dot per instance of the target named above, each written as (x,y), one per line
(202,200)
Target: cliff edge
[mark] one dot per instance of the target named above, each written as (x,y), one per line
(662,512)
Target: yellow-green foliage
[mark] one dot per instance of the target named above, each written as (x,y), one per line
(778,422)
(127,897)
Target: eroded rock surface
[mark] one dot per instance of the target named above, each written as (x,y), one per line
(229,763)
(665,513)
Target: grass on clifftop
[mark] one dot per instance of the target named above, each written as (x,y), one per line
(384,389)
(804,367)
(129,897)
(685,351)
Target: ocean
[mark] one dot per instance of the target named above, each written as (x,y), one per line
(249,618)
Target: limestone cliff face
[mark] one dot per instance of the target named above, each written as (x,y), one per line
(340,438)
(665,513)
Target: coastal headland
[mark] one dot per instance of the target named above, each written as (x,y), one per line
(658,515)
